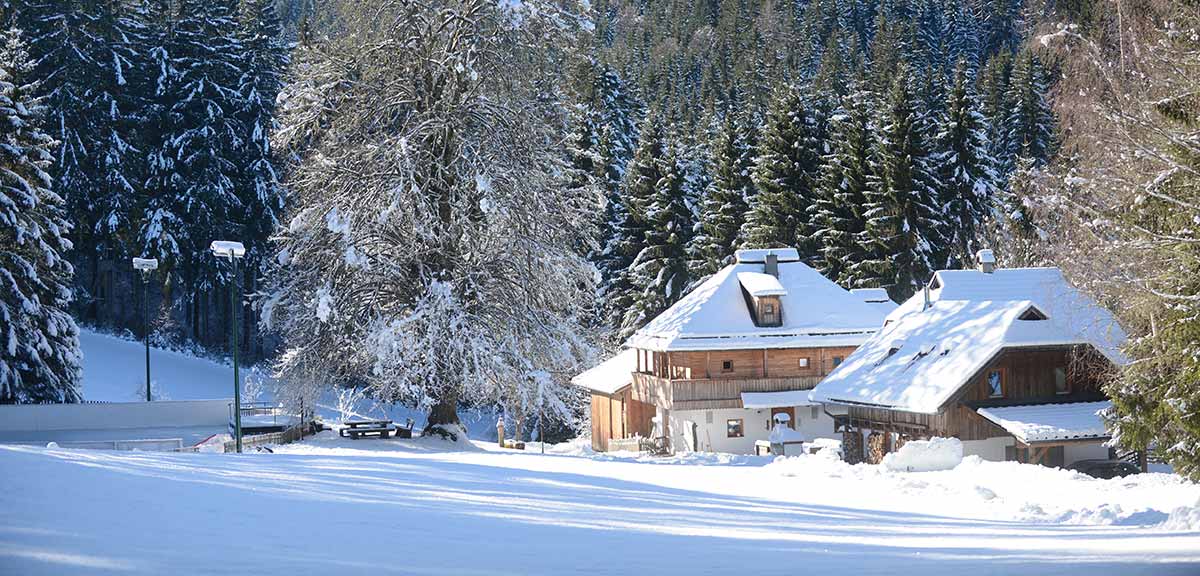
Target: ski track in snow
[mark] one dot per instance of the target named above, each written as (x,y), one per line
(332,505)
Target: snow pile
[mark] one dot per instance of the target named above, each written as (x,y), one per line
(925,455)
(1183,519)
(782,433)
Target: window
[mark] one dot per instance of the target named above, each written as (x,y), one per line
(804,362)
(816,412)
(770,314)
(708,417)
(733,428)
(1060,381)
(837,361)
(995,382)
(727,366)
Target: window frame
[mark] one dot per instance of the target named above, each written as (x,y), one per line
(728,363)
(837,361)
(741,428)
(1066,388)
(805,363)
(987,382)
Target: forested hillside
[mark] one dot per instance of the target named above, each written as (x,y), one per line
(879,138)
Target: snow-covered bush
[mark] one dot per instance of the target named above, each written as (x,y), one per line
(925,455)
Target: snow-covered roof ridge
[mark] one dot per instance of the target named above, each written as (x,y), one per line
(714,315)
(971,316)
(759,255)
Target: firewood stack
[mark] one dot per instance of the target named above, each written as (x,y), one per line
(877,446)
(852,446)
(900,441)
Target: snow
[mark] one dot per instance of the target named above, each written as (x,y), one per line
(971,317)
(816,312)
(925,455)
(759,400)
(759,255)
(113,369)
(1048,422)
(611,375)
(327,505)
(782,433)
(759,284)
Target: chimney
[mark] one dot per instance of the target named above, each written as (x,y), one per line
(771,266)
(926,292)
(987,261)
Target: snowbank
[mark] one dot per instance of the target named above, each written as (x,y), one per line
(925,455)
(1184,518)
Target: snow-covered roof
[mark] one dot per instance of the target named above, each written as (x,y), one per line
(759,284)
(610,375)
(759,255)
(1051,422)
(923,356)
(875,297)
(714,316)
(757,400)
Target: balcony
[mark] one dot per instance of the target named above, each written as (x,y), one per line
(710,393)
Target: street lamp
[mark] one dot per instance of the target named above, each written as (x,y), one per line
(234,251)
(145,266)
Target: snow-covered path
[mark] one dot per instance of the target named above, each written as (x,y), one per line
(394,508)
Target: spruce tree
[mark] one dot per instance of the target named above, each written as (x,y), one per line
(905,220)
(39,341)
(841,191)
(788,156)
(1029,125)
(266,57)
(660,270)
(724,204)
(965,172)
(632,227)
(192,177)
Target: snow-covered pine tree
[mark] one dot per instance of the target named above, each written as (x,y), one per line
(963,42)
(432,252)
(39,342)
(265,60)
(1029,126)
(841,191)
(195,198)
(629,236)
(724,204)
(993,96)
(660,271)
(904,215)
(965,171)
(84,51)
(788,155)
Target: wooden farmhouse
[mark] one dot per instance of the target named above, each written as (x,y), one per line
(1010,361)
(710,372)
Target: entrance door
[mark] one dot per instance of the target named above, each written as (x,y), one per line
(790,411)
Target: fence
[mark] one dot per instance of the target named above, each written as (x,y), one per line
(287,436)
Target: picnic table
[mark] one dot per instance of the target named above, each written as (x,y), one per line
(355,429)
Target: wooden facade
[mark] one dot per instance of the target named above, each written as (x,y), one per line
(619,416)
(715,379)
(1028,376)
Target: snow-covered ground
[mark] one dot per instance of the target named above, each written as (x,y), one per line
(330,506)
(114,370)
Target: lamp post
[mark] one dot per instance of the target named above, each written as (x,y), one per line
(234,251)
(145,266)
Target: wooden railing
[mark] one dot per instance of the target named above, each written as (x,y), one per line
(710,393)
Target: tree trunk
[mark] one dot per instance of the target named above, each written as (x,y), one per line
(443,418)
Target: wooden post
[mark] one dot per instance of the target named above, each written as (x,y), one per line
(764,370)
(707,364)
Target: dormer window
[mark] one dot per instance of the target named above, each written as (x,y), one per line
(1032,313)
(770,313)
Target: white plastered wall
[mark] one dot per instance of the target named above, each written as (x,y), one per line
(711,430)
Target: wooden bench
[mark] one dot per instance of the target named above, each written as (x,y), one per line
(356,429)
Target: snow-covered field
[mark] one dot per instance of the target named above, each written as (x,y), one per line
(332,506)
